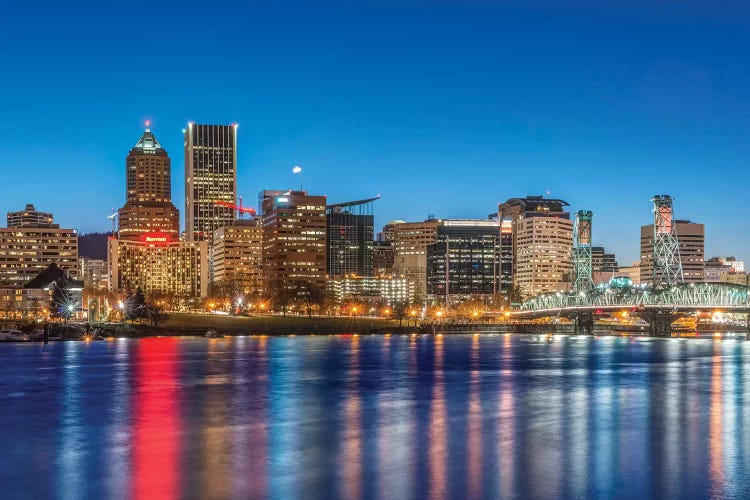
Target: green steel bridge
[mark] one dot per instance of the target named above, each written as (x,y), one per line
(658,306)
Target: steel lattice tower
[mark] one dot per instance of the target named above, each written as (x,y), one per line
(667,264)
(582,265)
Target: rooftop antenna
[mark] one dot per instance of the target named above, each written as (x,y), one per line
(298,170)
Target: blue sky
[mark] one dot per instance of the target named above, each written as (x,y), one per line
(441,107)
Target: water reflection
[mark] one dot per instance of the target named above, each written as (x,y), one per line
(386,417)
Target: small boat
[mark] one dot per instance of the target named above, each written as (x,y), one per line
(8,334)
(211,334)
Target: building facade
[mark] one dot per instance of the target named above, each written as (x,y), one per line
(30,217)
(464,260)
(148,199)
(691,241)
(541,243)
(294,239)
(28,248)
(410,241)
(383,255)
(350,231)
(385,290)
(94,273)
(177,268)
(237,255)
(210,176)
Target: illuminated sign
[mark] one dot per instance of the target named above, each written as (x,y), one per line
(156,238)
(282,199)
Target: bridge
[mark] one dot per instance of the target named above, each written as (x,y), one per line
(660,302)
(657,306)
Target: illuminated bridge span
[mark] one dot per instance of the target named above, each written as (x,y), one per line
(659,307)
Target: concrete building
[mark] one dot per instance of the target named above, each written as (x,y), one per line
(633,272)
(30,217)
(210,176)
(148,199)
(27,248)
(94,273)
(237,255)
(294,239)
(464,260)
(169,267)
(541,243)
(690,239)
(410,242)
(350,232)
(17,303)
(384,290)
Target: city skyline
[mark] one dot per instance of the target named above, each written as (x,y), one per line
(466,123)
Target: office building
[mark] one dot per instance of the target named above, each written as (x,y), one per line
(373,290)
(349,235)
(27,248)
(633,272)
(210,176)
(410,242)
(17,303)
(237,254)
(690,239)
(541,243)
(464,260)
(148,199)
(733,277)
(294,239)
(30,217)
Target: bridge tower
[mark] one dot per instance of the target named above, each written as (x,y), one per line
(667,264)
(582,265)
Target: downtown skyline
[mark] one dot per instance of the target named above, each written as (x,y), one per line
(436,118)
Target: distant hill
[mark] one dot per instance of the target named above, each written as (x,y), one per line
(93,245)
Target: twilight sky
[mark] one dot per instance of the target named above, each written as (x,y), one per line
(442,107)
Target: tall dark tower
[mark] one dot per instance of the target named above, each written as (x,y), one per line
(148,204)
(210,176)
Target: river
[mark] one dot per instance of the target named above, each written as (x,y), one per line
(391,417)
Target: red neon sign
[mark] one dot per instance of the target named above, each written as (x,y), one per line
(156,238)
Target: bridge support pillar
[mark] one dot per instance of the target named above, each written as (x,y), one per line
(584,324)
(660,324)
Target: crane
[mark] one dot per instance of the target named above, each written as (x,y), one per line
(241,210)
(113,218)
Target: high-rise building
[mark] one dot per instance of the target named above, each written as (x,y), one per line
(506,255)
(238,256)
(349,234)
(541,243)
(148,195)
(410,242)
(147,253)
(210,176)
(690,240)
(28,248)
(294,239)
(464,260)
(30,217)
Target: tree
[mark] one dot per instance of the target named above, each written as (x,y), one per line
(280,294)
(309,293)
(155,314)
(135,306)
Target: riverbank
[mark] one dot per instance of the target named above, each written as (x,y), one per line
(199,324)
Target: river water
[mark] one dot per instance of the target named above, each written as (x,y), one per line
(391,417)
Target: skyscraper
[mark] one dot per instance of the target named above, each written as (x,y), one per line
(148,197)
(210,176)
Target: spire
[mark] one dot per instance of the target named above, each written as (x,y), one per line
(148,141)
